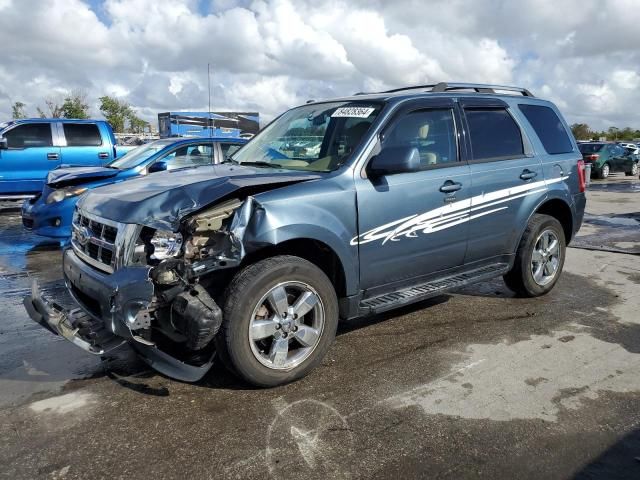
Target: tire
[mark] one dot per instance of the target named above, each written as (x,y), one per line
(633,172)
(522,278)
(252,301)
(604,171)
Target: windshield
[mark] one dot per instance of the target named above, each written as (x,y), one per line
(590,147)
(140,154)
(318,138)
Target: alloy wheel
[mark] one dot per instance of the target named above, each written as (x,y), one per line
(286,325)
(545,258)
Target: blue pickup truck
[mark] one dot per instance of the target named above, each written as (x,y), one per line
(31,148)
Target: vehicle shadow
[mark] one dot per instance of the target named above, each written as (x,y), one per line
(620,461)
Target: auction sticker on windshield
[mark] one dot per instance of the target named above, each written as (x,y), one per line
(357,112)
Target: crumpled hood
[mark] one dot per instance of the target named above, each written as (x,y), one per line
(61,177)
(161,200)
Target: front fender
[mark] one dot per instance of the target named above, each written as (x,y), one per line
(274,223)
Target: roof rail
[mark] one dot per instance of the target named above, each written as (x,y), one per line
(477,87)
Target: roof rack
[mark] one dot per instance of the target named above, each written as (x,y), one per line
(448,86)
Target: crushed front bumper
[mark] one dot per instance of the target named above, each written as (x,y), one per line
(108,302)
(74,325)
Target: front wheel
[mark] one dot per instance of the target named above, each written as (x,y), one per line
(280,318)
(539,258)
(634,170)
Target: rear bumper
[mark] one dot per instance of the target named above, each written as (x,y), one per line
(579,204)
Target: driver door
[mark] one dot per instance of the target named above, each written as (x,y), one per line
(30,156)
(413,225)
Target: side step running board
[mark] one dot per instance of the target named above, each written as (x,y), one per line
(408,295)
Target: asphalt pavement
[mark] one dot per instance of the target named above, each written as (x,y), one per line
(474,384)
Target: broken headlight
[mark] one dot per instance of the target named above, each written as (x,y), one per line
(165,244)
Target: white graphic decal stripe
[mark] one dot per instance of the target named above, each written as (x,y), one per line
(451,215)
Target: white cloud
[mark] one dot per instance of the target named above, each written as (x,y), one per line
(269,55)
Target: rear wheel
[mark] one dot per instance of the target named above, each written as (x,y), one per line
(280,318)
(604,171)
(539,258)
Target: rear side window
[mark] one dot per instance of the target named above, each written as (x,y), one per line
(548,127)
(494,134)
(29,135)
(82,135)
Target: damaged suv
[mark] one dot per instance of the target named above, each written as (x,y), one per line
(336,210)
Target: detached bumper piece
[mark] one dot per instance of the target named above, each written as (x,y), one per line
(74,325)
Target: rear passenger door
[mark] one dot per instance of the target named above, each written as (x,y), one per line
(83,145)
(505,177)
(618,159)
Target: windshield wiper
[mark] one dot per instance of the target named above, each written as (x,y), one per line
(261,164)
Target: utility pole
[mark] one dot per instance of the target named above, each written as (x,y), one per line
(209,121)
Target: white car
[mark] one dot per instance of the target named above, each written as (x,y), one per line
(634,149)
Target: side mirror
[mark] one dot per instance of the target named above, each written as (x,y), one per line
(158,167)
(3,143)
(393,160)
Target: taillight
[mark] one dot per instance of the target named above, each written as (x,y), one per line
(582,180)
(592,158)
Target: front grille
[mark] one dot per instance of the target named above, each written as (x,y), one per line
(94,241)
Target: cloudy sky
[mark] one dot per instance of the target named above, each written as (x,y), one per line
(269,55)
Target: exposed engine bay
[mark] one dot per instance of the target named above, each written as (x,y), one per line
(183,309)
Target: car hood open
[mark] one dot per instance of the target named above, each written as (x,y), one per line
(161,200)
(65,177)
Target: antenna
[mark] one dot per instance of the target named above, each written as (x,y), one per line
(209,122)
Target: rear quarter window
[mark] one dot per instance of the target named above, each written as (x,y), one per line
(494,134)
(548,127)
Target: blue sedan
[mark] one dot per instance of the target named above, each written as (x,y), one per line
(49,214)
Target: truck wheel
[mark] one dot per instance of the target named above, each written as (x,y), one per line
(539,258)
(280,318)
(604,171)
(634,170)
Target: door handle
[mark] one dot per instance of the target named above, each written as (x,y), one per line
(528,174)
(103,155)
(53,156)
(450,186)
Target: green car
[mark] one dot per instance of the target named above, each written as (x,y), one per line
(606,158)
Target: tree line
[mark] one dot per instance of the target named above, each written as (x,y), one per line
(118,113)
(582,131)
